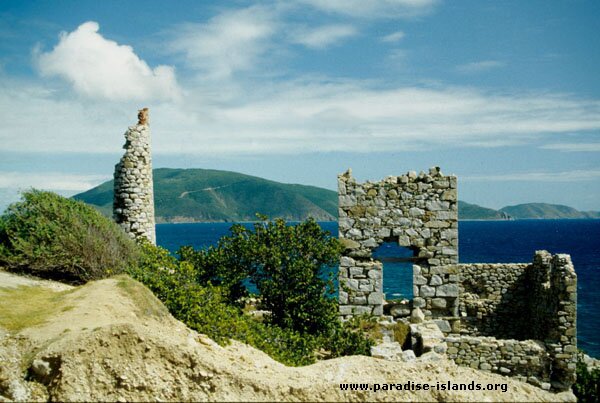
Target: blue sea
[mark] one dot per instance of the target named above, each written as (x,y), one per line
(479,242)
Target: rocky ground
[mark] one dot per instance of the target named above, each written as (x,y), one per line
(111,340)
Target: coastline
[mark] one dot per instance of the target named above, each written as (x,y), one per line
(159,222)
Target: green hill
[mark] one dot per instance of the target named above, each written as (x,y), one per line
(545,210)
(188,195)
(468,211)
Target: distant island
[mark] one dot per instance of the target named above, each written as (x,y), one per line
(207,195)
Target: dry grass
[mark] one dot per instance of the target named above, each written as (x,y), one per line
(374,330)
(401,333)
(27,306)
(146,303)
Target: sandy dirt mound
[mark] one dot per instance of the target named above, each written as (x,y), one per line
(116,342)
(9,280)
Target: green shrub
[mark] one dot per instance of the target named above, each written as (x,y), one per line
(284,345)
(204,309)
(347,339)
(201,307)
(587,386)
(206,306)
(55,237)
(218,266)
(287,264)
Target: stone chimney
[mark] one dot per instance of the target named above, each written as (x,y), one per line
(133,205)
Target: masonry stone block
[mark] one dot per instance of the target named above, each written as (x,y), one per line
(447,290)
(375,298)
(346,261)
(426,291)
(419,302)
(375,274)
(436,280)
(439,303)
(404,240)
(419,280)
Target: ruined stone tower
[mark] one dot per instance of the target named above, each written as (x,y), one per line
(415,211)
(133,205)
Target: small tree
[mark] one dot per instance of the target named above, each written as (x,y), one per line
(220,266)
(291,267)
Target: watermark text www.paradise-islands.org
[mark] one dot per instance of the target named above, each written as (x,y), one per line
(416,386)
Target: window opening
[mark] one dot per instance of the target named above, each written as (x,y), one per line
(397,270)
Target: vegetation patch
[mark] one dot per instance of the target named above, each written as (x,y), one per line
(145,302)
(53,237)
(62,239)
(27,306)
(401,333)
(206,290)
(368,325)
(587,386)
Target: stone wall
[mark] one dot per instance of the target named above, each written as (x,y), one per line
(416,211)
(526,360)
(491,313)
(553,313)
(490,295)
(133,205)
(525,301)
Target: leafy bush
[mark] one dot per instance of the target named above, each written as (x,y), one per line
(346,339)
(286,263)
(218,266)
(587,386)
(204,308)
(201,307)
(52,236)
(202,289)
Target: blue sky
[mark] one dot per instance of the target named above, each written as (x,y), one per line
(504,94)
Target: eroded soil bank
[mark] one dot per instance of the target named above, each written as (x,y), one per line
(112,340)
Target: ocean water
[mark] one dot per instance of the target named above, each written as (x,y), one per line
(479,242)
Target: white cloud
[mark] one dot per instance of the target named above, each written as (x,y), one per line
(295,116)
(101,68)
(566,176)
(394,37)
(352,117)
(478,67)
(375,8)
(36,118)
(231,41)
(49,181)
(573,147)
(323,37)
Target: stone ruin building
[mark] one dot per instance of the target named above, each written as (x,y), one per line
(133,204)
(515,319)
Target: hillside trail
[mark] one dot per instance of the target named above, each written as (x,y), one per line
(112,340)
